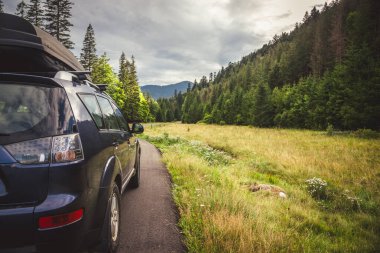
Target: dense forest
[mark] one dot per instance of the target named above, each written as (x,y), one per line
(324,73)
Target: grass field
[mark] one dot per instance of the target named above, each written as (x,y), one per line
(213,166)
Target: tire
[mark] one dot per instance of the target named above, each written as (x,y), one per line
(135,180)
(110,236)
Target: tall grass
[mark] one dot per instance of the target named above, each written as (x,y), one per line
(213,166)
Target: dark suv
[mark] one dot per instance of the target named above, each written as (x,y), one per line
(66,151)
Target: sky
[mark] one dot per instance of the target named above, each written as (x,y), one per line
(177,40)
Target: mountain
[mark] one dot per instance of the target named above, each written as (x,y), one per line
(165,91)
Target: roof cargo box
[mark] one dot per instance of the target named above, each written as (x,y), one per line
(26,48)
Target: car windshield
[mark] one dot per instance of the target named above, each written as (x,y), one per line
(31,111)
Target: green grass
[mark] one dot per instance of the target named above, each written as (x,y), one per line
(212,168)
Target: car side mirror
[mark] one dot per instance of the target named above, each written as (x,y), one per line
(137,128)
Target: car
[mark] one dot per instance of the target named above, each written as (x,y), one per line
(67,152)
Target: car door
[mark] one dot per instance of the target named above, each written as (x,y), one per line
(132,141)
(120,137)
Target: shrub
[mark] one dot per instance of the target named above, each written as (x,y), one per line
(330,130)
(366,134)
(317,188)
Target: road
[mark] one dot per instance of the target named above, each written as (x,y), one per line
(149,214)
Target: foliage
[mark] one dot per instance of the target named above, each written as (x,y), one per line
(317,188)
(366,134)
(21,9)
(88,55)
(57,23)
(35,13)
(102,72)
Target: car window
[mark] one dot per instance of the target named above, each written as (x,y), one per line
(29,111)
(108,113)
(92,106)
(122,122)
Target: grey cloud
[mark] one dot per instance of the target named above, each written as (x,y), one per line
(172,40)
(284,15)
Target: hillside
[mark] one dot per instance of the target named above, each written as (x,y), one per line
(165,91)
(323,73)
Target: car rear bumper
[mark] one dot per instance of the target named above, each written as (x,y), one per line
(19,226)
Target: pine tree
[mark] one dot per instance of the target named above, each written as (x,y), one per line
(35,13)
(123,69)
(58,13)
(1,6)
(132,94)
(88,55)
(21,9)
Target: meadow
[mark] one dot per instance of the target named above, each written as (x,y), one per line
(331,183)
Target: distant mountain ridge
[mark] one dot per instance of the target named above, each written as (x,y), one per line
(165,91)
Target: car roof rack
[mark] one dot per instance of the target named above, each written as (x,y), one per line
(82,75)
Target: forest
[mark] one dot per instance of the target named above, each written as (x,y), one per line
(325,73)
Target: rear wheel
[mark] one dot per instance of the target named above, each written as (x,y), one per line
(135,180)
(111,227)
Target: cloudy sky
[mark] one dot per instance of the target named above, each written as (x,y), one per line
(176,40)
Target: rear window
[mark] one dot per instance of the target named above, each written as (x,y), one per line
(32,111)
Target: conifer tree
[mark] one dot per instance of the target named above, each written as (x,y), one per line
(123,68)
(1,6)
(132,93)
(88,55)
(21,9)
(35,13)
(57,23)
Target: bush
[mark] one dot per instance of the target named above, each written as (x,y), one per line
(330,130)
(317,188)
(366,134)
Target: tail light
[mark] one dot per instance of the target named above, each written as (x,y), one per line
(48,222)
(57,149)
(67,148)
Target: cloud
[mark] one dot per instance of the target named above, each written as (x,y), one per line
(180,40)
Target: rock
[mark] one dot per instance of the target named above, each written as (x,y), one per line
(267,187)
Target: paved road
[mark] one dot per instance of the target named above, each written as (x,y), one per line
(149,214)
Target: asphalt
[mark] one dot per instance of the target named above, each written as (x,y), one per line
(149,218)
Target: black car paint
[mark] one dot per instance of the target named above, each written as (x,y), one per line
(81,184)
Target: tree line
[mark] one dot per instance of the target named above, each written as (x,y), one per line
(324,73)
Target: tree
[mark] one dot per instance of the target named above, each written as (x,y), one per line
(102,71)
(21,9)
(132,94)
(1,6)
(123,69)
(57,15)
(35,14)
(88,55)
(337,37)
